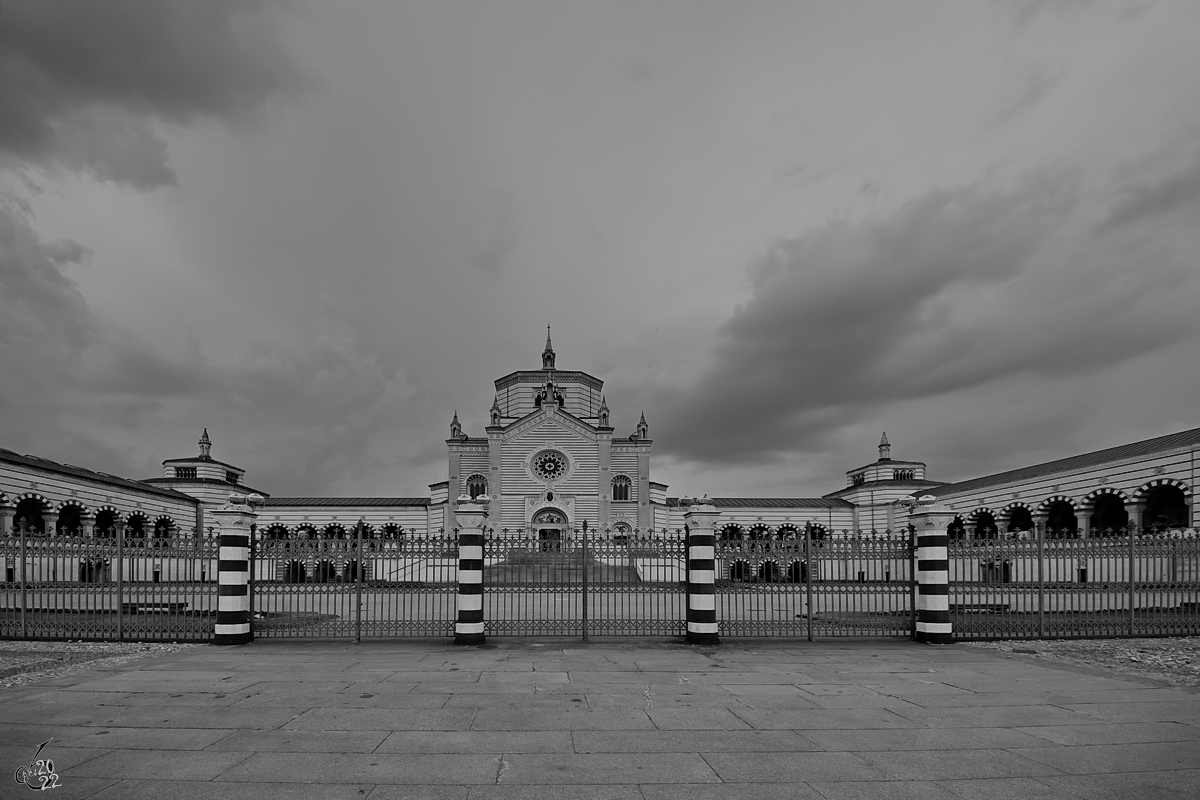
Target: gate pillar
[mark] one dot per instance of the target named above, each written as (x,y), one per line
(233,570)
(931,521)
(471,516)
(701,572)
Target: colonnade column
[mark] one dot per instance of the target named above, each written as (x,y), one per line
(931,521)
(7,512)
(233,571)
(701,572)
(470,516)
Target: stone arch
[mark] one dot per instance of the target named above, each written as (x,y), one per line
(70,517)
(334,530)
(1144,491)
(1107,512)
(731,532)
(277,531)
(137,525)
(1019,517)
(107,520)
(817,532)
(788,531)
(392,530)
(983,523)
(1167,506)
(164,529)
(740,570)
(1091,497)
(759,532)
(1059,511)
(797,572)
(31,507)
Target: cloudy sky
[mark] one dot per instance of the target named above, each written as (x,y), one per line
(778,229)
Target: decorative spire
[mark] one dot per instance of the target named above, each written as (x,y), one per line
(548,353)
(205,444)
(885,449)
(643,430)
(455,427)
(603,412)
(496,411)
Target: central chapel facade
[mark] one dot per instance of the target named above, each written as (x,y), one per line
(550,461)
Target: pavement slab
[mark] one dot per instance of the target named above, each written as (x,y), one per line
(619,720)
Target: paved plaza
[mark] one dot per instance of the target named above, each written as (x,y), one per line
(626,720)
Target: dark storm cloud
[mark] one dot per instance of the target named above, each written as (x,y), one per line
(79,388)
(954,291)
(83,84)
(83,88)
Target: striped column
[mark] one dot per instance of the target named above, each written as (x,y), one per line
(233,571)
(931,522)
(470,516)
(702,573)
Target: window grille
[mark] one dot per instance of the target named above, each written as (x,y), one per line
(476,485)
(620,488)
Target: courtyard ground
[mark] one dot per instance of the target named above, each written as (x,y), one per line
(627,720)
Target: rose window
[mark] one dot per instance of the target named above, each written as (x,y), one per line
(549,465)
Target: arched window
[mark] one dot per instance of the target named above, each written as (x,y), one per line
(620,488)
(902,474)
(476,485)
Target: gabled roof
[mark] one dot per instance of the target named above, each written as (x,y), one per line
(87,474)
(1158,444)
(772,502)
(342,502)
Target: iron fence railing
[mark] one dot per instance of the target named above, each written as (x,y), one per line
(108,587)
(354,586)
(845,583)
(1110,583)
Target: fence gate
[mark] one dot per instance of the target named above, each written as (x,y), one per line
(354,587)
(856,585)
(127,588)
(584,582)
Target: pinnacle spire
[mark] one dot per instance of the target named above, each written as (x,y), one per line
(205,444)
(548,353)
(885,448)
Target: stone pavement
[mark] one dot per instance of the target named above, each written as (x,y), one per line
(626,720)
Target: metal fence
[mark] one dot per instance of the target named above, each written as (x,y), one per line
(1144,584)
(354,587)
(584,583)
(859,584)
(108,588)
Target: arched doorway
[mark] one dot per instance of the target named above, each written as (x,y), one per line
(739,571)
(1166,508)
(295,572)
(797,572)
(30,510)
(550,525)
